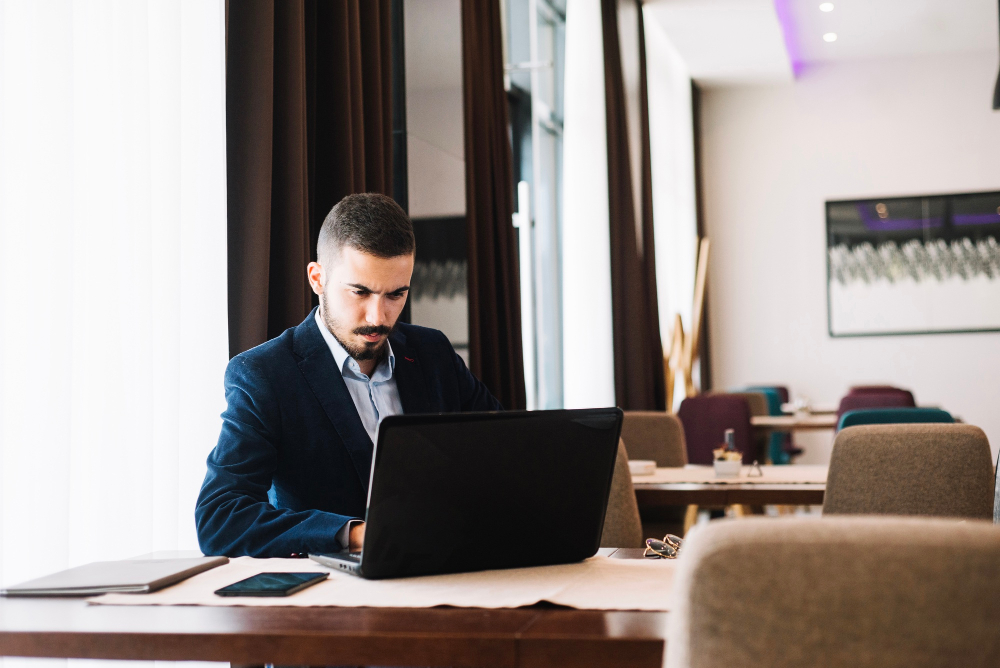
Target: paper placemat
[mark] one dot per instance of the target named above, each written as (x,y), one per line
(598,583)
(791,474)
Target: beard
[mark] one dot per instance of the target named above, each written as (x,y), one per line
(366,350)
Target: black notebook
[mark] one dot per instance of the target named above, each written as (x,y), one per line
(131,576)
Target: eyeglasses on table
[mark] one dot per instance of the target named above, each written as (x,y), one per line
(668,548)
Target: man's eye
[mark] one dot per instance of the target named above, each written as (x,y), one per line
(361,293)
(396,295)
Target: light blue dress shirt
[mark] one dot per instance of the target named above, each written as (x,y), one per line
(375,397)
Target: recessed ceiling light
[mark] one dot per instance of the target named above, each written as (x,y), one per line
(830,37)
(826,7)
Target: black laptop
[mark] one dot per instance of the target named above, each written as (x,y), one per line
(463,492)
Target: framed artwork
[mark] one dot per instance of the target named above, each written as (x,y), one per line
(913,265)
(439,287)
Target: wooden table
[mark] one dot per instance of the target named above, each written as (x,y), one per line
(684,486)
(535,637)
(808,422)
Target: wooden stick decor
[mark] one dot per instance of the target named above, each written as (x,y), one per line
(697,309)
(683,348)
(673,359)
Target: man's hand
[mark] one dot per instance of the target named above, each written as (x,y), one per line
(357,535)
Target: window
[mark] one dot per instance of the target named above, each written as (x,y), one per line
(535,42)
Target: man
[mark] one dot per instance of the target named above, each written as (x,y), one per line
(291,470)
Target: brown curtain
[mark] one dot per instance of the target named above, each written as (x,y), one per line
(495,354)
(308,121)
(638,353)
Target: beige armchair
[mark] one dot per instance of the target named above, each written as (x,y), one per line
(942,470)
(658,436)
(858,592)
(622,527)
(654,435)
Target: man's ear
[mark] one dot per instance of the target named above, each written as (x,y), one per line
(314,271)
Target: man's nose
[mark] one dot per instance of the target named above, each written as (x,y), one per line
(375,314)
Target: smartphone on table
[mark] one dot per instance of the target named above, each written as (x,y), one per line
(272,584)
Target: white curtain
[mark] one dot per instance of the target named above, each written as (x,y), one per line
(113,324)
(588,355)
(671,141)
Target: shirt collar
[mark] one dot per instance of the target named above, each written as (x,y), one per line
(348,364)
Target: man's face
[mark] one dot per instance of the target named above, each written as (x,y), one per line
(361,297)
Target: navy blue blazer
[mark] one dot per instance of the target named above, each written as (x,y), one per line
(293,459)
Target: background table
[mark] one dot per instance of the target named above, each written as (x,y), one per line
(536,637)
(806,422)
(696,486)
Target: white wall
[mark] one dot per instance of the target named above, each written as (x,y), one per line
(435,140)
(773,155)
(435,146)
(434,117)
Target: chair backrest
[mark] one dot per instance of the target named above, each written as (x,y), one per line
(777,443)
(895,399)
(759,404)
(622,526)
(875,389)
(941,470)
(706,417)
(772,395)
(756,401)
(893,416)
(852,592)
(782,391)
(654,435)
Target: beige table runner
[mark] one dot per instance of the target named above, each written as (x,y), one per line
(795,473)
(598,583)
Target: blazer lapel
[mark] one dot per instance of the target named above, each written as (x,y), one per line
(327,382)
(409,377)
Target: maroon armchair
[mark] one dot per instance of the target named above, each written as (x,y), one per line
(887,398)
(706,418)
(879,389)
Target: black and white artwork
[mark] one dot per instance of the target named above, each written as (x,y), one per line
(914,265)
(439,287)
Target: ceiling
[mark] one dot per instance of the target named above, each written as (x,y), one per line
(745,42)
(734,42)
(892,28)
(725,42)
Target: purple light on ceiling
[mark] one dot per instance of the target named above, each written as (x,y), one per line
(784,11)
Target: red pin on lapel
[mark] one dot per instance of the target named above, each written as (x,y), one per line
(408,359)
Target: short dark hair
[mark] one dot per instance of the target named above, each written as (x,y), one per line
(369,222)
